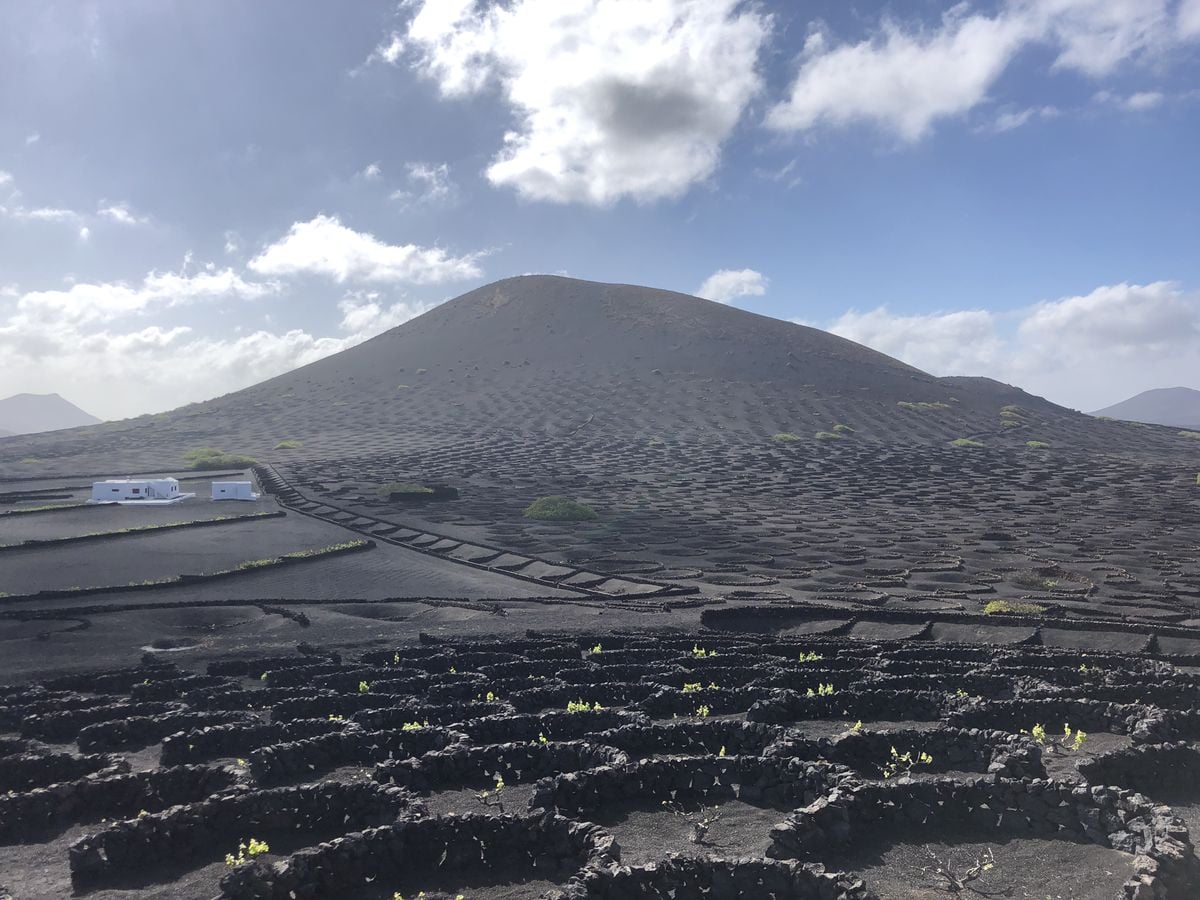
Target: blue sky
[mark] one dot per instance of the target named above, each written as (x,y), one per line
(195,196)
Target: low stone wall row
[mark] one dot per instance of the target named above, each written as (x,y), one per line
(997,753)
(1169,772)
(141,731)
(306,759)
(718,879)
(548,847)
(239,740)
(66,725)
(461,765)
(30,815)
(554,726)
(762,781)
(26,771)
(865,705)
(1165,865)
(213,827)
(693,738)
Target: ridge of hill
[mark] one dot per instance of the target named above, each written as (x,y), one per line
(546,358)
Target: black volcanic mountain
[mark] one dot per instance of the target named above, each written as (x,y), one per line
(1178,407)
(544,357)
(30,413)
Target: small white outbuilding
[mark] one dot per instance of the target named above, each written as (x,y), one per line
(233,490)
(148,491)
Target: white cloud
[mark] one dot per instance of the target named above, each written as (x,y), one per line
(726,285)
(5,177)
(371,172)
(41,214)
(233,242)
(901,81)
(1085,351)
(364,315)
(1010,120)
(613,99)
(86,303)
(324,246)
(31,139)
(388,51)
(113,369)
(427,185)
(121,214)
(1189,18)
(953,343)
(905,78)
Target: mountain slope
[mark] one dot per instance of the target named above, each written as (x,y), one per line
(31,413)
(1178,407)
(539,359)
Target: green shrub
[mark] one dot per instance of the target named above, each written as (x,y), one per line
(1011,412)
(1036,445)
(843,429)
(403,487)
(827,436)
(289,445)
(1033,581)
(1190,434)
(559,509)
(922,404)
(965,442)
(1013,608)
(202,458)
(786,437)
(1198,479)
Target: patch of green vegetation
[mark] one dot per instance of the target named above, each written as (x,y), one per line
(827,436)
(289,445)
(1036,445)
(258,563)
(1195,435)
(204,458)
(32,461)
(965,442)
(403,487)
(1198,479)
(786,437)
(922,404)
(559,509)
(843,429)
(1011,412)
(47,508)
(1013,608)
(1033,581)
(404,387)
(322,551)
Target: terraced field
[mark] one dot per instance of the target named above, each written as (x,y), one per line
(607,766)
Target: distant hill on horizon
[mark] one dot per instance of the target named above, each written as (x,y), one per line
(1177,407)
(35,413)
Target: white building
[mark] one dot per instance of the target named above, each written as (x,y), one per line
(149,491)
(233,490)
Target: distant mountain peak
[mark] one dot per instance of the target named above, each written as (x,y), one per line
(1176,407)
(31,413)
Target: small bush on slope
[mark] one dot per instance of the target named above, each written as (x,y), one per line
(559,509)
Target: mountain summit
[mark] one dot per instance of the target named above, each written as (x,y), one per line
(31,413)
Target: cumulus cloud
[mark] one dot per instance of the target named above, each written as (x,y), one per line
(905,78)
(1086,351)
(370,172)
(111,365)
(726,285)
(324,246)
(121,214)
(950,343)
(85,303)
(902,81)
(612,99)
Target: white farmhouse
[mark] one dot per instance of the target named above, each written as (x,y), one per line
(145,491)
(233,490)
